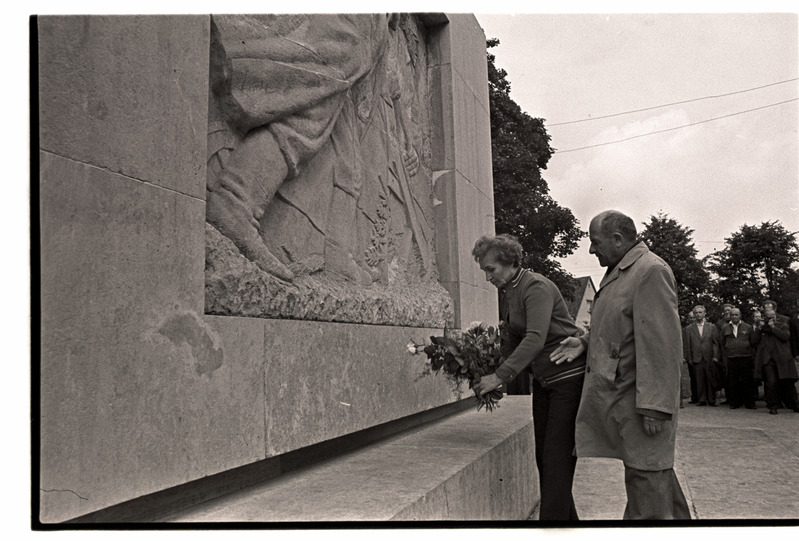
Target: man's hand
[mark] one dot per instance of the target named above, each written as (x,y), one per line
(772,322)
(568,350)
(652,426)
(487,384)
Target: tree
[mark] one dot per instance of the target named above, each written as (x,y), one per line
(756,264)
(672,241)
(787,294)
(522,204)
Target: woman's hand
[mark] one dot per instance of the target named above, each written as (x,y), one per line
(568,350)
(487,384)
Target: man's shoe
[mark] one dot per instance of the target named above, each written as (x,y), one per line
(734,407)
(752,407)
(703,403)
(693,401)
(773,411)
(712,404)
(725,402)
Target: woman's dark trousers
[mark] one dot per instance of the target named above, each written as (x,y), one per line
(554,412)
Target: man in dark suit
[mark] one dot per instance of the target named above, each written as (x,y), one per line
(793,330)
(723,370)
(737,353)
(701,349)
(769,304)
(774,363)
(691,375)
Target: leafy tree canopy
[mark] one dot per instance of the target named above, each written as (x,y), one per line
(523,206)
(673,242)
(756,264)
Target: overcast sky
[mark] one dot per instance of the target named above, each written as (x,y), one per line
(713,176)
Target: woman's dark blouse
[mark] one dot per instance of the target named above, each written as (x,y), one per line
(536,321)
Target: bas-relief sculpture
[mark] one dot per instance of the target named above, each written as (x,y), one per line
(319,191)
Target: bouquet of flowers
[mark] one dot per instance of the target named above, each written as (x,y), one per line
(466,356)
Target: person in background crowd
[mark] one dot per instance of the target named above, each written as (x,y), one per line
(736,351)
(757,319)
(725,317)
(774,363)
(631,394)
(689,365)
(701,348)
(793,338)
(723,372)
(536,320)
(768,303)
(793,330)
(785,320)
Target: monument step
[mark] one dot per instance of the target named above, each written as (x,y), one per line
(473,465)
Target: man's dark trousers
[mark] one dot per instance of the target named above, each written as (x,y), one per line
(654,495)
(778,391)
(741,389)
(705,388)
(692,378)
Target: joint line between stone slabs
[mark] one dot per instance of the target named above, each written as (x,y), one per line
(123,175)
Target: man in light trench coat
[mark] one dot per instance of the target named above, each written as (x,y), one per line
(631,393)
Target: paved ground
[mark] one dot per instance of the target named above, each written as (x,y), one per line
(732,464)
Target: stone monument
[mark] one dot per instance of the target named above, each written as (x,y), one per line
(320,170)
(243,220)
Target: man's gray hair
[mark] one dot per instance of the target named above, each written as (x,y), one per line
(613,221)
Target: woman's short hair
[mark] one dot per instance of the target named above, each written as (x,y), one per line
(507,249)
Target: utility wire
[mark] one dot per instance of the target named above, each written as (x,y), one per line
(676,127)
(675,103)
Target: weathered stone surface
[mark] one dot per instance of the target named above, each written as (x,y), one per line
(142,389)
(471,69)
(139,391)
(470,466)
(463,193)
(136,110)
(324,380)
(340,171)
(464,279)
(319,129)
(236,286)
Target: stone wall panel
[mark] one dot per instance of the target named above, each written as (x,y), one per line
(128,94)
(324,380)
(139,391)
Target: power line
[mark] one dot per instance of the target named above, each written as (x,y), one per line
(670,104)
(676,127)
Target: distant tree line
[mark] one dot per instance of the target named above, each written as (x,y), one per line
(757,263)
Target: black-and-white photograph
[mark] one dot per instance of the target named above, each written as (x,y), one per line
(413,266)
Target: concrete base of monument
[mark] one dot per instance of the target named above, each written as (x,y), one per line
(468,466)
